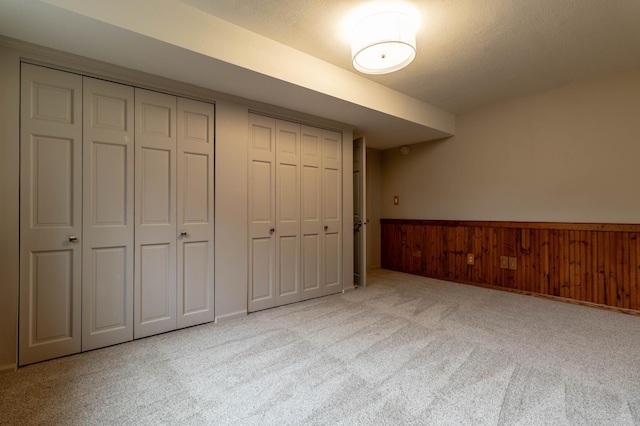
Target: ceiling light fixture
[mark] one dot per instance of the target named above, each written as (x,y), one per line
(383,42)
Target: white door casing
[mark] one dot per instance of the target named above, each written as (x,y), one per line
(195,295)
(50,213)
(107,235)
(262,213)
(359,213)
(155,213)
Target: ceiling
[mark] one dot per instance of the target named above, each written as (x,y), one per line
(290,54)
(469,52)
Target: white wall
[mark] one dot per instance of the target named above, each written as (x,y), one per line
(374,206)
(566,155)
(9,205)
(231,210)
(231,206)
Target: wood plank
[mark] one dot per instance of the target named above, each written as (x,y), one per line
(430,251)
(502,251)
(623,268)
(555,262)
(497,271)
(602,269)
(607,227)
(593,266)
(513,238)
(562,261)
(476,250)
(610,289)
(489,256)
(545,262)
(539,246)
(451,251)
(637,269)
(441,251)
(588,281)
(633,271)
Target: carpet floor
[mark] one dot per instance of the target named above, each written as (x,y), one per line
(404,350)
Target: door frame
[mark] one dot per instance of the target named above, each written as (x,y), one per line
(360,212)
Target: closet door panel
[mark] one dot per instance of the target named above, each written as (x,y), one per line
(262,266)
(287,229)
(311,213)
(108,191)
(262,213)
(155,213)
(156,290)
(332,210)
(51,214)
(195,287)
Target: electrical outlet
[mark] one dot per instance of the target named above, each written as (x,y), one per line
(396,200)
(504,262)
(513,263)
(471,259)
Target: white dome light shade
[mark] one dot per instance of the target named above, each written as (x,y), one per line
(383,42)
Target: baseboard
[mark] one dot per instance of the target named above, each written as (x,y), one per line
(348,289)
(231,316)
(7,368)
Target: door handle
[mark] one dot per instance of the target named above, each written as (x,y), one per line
(184,234)
(73,239)
(272,230)
(326,228)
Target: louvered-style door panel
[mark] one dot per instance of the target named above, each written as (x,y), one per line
(51,214)
(262,213)
(155,213)
(195,291)
(108,155)
(287,230)
(311,213)
(332,210)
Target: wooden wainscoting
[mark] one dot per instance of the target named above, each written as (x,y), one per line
(583,263)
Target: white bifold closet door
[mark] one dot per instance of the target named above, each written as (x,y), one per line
(50,214)
(155,222)
(174,213)
(332,210)
(262,212)
(102,163)
(195,295)
(312,225)
(107,236)
(321,212)
(295,190)
(274,206)
(287,194)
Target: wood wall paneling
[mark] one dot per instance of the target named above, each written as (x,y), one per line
(586,263)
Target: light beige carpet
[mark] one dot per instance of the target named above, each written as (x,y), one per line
(405,350)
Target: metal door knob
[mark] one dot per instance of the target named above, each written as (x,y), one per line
(272,230)
(326,228)
(73,239)
(184,234)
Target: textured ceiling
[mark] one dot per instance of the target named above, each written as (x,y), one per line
(470,52)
